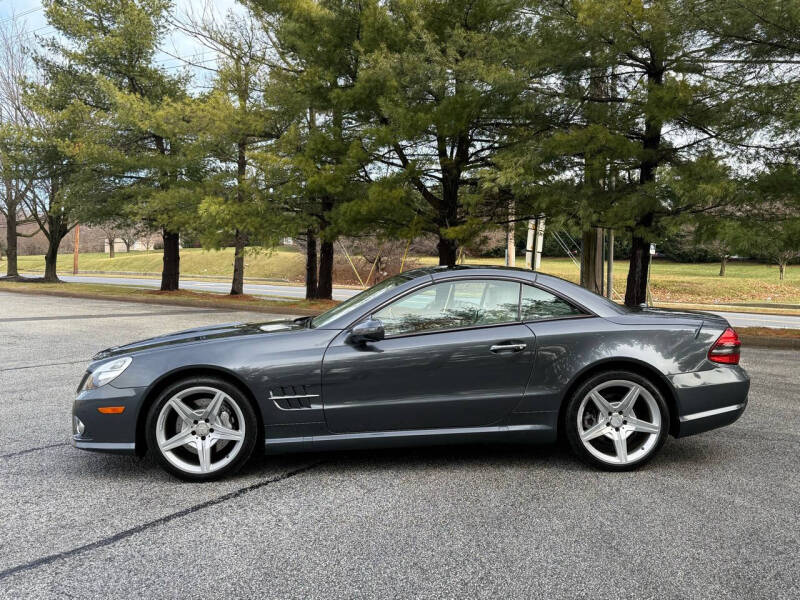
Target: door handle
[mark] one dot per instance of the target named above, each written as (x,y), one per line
(508,348)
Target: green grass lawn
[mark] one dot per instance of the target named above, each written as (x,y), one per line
(282,263)
(670,282)
(688,282)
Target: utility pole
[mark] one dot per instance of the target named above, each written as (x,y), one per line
(529,243)
(533,247)
(76,249)
(537,254)
(648,297)
(511,247)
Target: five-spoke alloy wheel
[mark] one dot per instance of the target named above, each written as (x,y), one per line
(617,420)
(201,428)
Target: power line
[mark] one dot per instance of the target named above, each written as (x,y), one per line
(180,59)
(30,11)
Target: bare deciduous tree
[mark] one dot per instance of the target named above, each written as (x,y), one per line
(15,66)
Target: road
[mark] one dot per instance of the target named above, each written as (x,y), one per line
(255,289)
(737,319)
(712,516)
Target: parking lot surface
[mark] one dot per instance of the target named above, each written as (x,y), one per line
(712,516)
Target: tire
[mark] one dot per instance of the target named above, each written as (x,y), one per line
(616,421)
(201,428)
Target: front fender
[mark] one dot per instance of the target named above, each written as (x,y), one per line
(263,364)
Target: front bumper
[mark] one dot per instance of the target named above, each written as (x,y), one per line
(107,432)
(710,399)
(112,447)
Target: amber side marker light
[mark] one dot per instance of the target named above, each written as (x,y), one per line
(727,348)
(111,410)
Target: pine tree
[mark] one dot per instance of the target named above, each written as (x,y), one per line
(240,124)
(101,66)
(314,84)
(674,95)
(448,94)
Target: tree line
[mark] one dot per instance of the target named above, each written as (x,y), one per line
(401,118)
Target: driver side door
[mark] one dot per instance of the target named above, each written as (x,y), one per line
(455,355)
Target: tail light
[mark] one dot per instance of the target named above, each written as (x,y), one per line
(726,349)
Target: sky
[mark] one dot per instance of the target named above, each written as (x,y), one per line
(31,14)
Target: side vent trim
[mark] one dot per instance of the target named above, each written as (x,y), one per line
(293,397)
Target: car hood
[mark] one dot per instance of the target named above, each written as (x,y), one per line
(201,334)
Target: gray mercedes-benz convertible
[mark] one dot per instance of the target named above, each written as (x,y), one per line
(437,355)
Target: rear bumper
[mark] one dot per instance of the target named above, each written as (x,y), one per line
(709,399)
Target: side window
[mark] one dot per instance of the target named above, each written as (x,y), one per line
(453,304)
(538,304)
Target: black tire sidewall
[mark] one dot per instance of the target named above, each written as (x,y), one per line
(571,418)
(250,421)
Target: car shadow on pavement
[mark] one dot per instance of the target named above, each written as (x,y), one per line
(415,459)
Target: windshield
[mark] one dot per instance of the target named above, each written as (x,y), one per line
(349,306)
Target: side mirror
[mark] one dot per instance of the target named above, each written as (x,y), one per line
(370,330)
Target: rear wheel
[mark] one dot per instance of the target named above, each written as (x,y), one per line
(617,421)
(201,428)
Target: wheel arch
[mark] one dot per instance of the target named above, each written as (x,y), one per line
(644,369)
(184,373)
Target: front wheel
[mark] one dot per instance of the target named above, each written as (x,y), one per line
(617,421)
(202,428)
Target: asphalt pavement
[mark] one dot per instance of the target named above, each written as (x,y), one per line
(712,516)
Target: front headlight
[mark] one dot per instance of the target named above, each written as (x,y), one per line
(107,373)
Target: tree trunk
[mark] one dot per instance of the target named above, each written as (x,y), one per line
(592,260)
(51,258)
(325,280)
(636,290)
(170,274)
(325,277)
(782,271)
(111,247)
(610,267)
(240,239)
(57,230)
(11,242)
(237,285)
(448,251)
(311,265)
(723,264)
(448,215)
